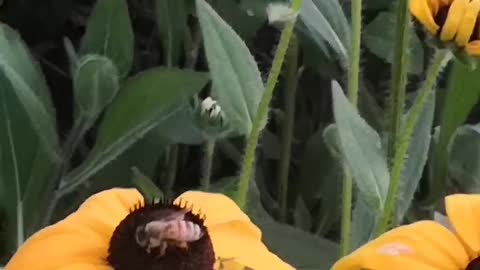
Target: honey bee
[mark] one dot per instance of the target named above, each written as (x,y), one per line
(172,230)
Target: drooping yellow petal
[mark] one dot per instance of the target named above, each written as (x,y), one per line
(423,11)
(217,207)
(228,264)
(232,232)
(467,24)
(82,238)
(463,212)
(234,240)
(473,48)
(454,19)
(423,245)
(434,6)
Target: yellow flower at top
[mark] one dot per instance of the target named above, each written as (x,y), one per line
(426,245)
(454,21)
(117,230)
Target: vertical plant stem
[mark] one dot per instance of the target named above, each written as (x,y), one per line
(354,67)
(345,243)
(440,59)
(207,163)
(262,112)
(353,82)
(288,123)
(399,73)
(172,168)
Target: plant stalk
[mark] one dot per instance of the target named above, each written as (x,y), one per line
(172,168)
(262,112)
(207,163)
(440,59)
(288,124)
(353,85)
(399,73)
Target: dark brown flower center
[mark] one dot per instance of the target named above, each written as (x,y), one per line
(474,265)
(441,16)
(163,236)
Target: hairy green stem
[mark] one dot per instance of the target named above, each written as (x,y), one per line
(345,243)
(262,112)
(207,163)
(288,123)
(353,85)
(440,59)
(399,73)
(354,67)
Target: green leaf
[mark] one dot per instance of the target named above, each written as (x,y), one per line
(181,127)
(361,150)
(237,85)
(144,102)
(417,156)
(319,169)
(95,85)
(242,19)
(302,215)
(109,33)
(25,167)
(171,20)
(146,186)
(326,24)
(380,40)
(26,81)
(300,249)
(462,94)
(143,155)
(364,221)
(464,155)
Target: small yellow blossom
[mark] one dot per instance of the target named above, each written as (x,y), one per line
(451,21)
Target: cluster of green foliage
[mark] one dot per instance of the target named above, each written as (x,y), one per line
(110,93)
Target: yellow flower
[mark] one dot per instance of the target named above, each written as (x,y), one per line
(103,234)
(426,245)
(452,21)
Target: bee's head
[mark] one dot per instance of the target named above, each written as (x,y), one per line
(141,236)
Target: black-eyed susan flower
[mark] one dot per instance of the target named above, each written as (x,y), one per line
(426,245)
(451,21)
(116,230)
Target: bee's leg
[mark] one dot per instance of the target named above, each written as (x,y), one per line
(182,244)
(162,248)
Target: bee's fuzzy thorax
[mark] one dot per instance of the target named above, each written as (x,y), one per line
(125,253)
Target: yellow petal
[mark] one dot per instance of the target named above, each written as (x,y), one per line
(423,11)
(467,24)
(235,240)
(454,19)
(81,238)
(463,211)
(434,6)
(423,245)
(228,264)
(473,48)
(217,207)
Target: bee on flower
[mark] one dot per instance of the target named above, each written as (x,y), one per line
(453,23)
(118,229)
